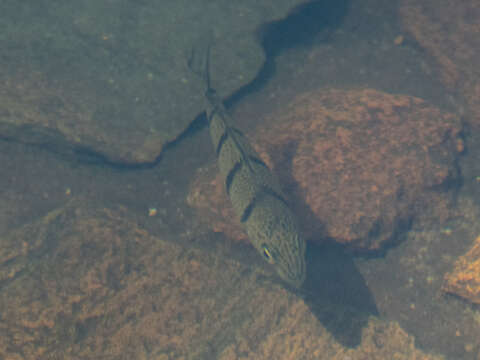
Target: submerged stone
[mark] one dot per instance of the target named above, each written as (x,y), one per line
(358,164)
(110,79)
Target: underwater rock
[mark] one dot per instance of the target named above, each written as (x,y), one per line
(358,164)
(464,280)
(109,79)
(86,282)
(448,31)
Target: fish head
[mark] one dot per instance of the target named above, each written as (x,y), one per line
(285,250)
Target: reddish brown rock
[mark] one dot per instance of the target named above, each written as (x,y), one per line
(34,110)
(88,283)
(450,32)
(357,163)
(302,341)
(464,280)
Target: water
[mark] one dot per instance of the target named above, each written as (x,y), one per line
(87,273)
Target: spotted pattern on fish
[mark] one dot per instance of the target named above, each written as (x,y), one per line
(255,193)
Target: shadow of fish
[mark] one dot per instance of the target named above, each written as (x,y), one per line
(253,190)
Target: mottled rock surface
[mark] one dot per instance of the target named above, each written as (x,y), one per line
(110,77)
(450,32)
(87,283)
(464,280)
(358,164)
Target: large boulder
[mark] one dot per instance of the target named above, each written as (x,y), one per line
(358,164)
(449,32)
(85,282)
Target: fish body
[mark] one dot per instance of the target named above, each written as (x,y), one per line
(256,195)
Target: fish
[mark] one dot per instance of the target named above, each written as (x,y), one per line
(254,192)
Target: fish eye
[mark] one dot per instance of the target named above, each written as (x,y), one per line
(267,254)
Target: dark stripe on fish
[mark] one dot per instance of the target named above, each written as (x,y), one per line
(265,190)
(222,140)
(248,210)
(231,175)
(258,161)
(238,165)
(225,136)
(276,195)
